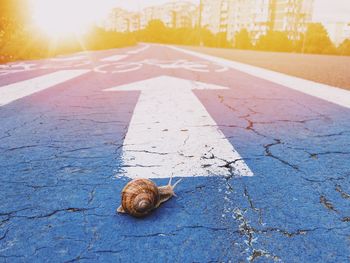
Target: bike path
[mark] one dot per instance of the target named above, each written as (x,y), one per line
(61,163)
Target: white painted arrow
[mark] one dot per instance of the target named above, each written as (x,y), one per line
(172,134)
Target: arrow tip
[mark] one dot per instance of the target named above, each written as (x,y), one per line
(166,82)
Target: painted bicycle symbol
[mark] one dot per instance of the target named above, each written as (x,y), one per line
(110,67)
(195,66)
(54,63)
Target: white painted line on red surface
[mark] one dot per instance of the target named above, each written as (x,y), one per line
(115,58)
(133,52)
(12,92)
(319,90)
(73,58)
(172,134)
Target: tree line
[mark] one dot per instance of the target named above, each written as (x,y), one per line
(314,41)
(18,40)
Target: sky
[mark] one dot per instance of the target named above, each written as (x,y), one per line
(134,5)
(325,10)
(332,11)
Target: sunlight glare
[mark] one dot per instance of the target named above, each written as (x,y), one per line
(59,18)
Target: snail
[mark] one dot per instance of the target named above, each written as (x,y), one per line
(140,196)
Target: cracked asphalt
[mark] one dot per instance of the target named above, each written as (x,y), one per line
(61,160)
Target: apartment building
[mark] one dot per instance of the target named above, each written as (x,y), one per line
(257,16)
(225,16)
(230,16)
(173,14)
(291,16)
(120,20)
(211,16)
(252,15)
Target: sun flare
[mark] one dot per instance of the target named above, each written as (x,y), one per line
(59,18)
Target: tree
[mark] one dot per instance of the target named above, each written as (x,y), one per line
(207,38)
(184,36)
(317,40)
(16,11)
(243,40)
(344,48)
(275,41)
(13,17)
(221,40)
(156,31)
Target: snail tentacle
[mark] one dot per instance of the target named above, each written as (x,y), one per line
(179,181)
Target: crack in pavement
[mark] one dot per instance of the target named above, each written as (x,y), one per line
(69,210)
(332,134)
(269,154)
(252,206)
(174,232)
(78,258)
(327,204)
(298,232)
(149,152)
(262,253)
(229,165)
(342,192)
(246,230)
(4,235)
(315,155)
(92,195)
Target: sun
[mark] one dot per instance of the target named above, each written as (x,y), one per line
(60,18)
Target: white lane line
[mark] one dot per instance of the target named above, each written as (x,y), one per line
(115,58)
(319,90)
(74,58)
(12,92)
(172,134)
(133,52)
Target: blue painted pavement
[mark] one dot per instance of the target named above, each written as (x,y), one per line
(60,157)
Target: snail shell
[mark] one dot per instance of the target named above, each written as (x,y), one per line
(140,196)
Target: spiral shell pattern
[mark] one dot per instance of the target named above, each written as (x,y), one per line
(139,197)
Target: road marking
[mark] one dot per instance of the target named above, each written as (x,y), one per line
(126,66)
(118,67)
(197,66)
(315,89)
(73,58)
(115,58)
(12,92)
(15,68)
(171,133)
(133,52)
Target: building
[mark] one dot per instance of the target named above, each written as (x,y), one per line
(174,14)
(133,21)
(120,20)
(257,16)
(252,15)
(115,20)
(222,16)
(291,16)
(210,15)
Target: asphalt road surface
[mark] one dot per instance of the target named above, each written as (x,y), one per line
(264,160)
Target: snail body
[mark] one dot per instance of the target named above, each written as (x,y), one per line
(140,196)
